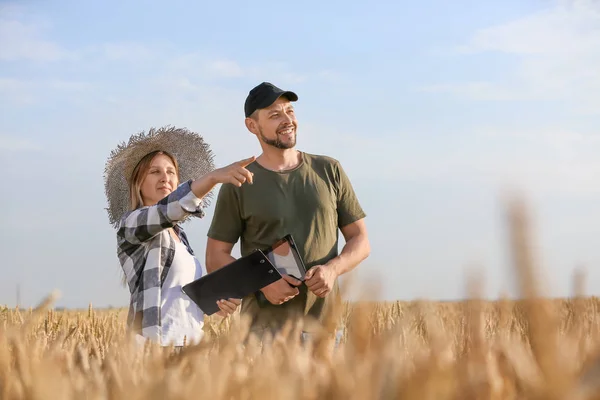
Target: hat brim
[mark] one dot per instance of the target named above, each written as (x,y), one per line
(291,96)
(190,150)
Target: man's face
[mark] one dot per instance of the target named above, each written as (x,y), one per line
(276,125)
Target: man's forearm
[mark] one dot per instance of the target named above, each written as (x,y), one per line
(354,252)
(218,260)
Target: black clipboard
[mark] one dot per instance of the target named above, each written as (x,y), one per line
(236,280)
(284,255)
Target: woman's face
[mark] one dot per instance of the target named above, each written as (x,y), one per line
(160,180)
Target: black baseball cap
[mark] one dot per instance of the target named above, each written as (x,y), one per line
(264,95)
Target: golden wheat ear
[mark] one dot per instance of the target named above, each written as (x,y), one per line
(543,325)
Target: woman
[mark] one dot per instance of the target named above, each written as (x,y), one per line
(153,184)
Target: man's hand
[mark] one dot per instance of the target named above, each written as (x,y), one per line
(320,279)
(281,291)
(228,306)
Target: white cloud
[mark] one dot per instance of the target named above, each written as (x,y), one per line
(569,28)
(198,66)
(557,56)
(15,91)
(27,92)
(225,68)
(481,91)
(541,162)
(24,37)
(21,40)
(125,51)
(550,161)
(13,144)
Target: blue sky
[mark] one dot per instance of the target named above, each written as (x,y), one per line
(434,110)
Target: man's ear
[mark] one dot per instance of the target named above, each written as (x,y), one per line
(251,125)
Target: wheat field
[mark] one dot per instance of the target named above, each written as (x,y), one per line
(533,348)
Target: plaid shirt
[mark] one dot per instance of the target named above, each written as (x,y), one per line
(146,250)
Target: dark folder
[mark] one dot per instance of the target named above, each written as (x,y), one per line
(242,277)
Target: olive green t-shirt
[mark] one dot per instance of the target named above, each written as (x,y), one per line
(310,202)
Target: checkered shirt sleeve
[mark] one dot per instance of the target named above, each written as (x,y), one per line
(145,251)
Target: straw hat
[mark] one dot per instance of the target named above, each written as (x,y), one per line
(189,148)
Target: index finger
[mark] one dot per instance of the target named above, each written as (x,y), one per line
(247,174)
(246,161)
(291,280)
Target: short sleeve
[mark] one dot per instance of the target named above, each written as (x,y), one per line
(349,209)
(227,224)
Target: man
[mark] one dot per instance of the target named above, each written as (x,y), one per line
(305,195)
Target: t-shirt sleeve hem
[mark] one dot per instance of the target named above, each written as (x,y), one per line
(351,219)
(222,237)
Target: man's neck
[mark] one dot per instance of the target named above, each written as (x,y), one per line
(279,160)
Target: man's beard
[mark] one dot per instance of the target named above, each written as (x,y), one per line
(277,143)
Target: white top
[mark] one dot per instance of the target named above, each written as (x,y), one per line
(285,264)
(180,316)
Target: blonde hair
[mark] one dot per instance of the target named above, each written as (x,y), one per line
(138,175)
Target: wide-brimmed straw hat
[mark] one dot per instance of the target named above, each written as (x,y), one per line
(190,150)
